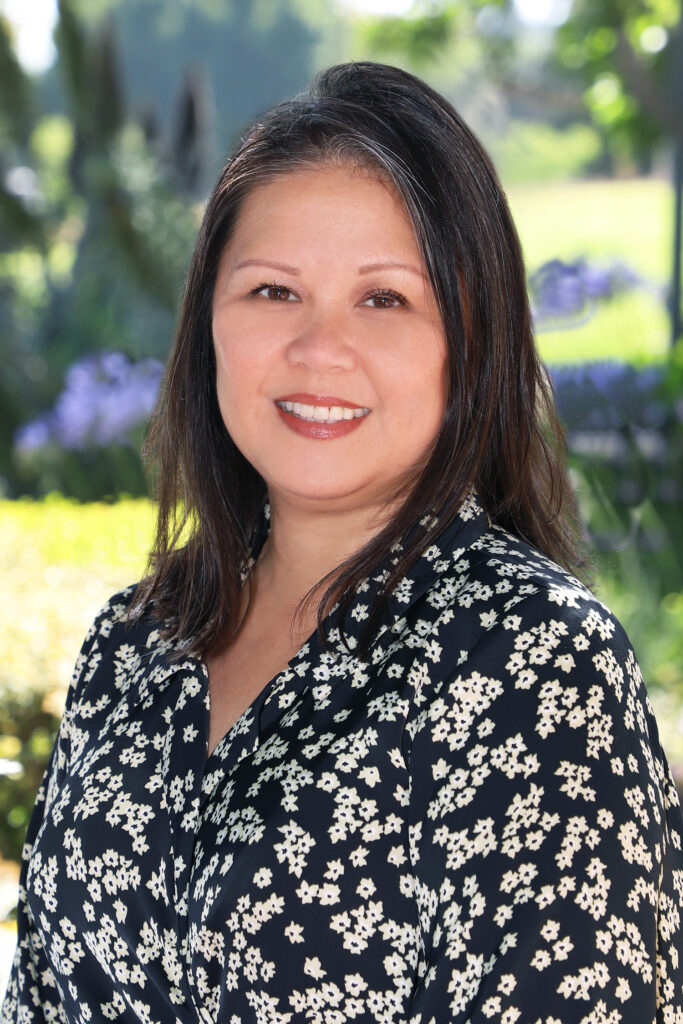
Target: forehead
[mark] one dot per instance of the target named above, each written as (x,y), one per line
(322,201)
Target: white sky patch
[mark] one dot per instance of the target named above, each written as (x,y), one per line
(535,12)
(33,22)
(396,7)
(543,12)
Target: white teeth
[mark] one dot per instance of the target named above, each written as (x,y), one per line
(322,413)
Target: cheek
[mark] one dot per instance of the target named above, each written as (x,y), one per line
(231,386)
(236,362)
(424,388)
(430,408)
(246,344)
(226,347)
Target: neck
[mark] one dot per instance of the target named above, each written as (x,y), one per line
(304,545)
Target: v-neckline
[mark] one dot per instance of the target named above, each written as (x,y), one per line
(254,708)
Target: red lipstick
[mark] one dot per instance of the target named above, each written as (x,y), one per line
(301,412)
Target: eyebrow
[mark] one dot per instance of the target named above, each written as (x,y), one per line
(367,268)
(284,267)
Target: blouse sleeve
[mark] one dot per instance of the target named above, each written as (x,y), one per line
(545,830)
(32,996)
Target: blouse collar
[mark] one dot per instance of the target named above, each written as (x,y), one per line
(440,560)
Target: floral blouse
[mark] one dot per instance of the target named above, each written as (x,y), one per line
(474,824)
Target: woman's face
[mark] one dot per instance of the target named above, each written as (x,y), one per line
(330,353)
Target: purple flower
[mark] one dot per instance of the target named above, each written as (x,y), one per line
(33,436)
(569,292)
(105,399)
(596,282)
(609,396)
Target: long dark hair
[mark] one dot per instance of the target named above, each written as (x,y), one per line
(500,434)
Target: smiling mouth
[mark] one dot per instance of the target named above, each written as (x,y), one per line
(322,413)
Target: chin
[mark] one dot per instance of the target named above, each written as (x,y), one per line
(344,495)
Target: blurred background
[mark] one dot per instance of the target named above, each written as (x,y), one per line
(114,119)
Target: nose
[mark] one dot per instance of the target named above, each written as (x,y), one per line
(322,345)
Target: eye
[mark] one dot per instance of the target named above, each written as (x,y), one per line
(384,298)
(275,293)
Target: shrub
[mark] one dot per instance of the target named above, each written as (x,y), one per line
(625,434)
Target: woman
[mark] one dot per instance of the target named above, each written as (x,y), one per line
(359,747)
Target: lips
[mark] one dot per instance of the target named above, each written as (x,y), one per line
(321,417)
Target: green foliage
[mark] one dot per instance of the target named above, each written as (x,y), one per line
(625,55)
(418,39)
(100,221)
(537,151)
(84,475)
(655,627)
(27,730)
(612,62)
(16,111)
(626,449)
(469,34)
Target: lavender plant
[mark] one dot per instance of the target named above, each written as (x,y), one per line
(106,400)
(608,396)
(568,294)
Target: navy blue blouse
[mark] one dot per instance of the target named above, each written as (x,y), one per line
(476,823)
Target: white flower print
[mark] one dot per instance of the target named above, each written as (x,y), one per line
(470,824)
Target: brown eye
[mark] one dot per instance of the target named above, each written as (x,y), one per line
(384,300)
(275,292)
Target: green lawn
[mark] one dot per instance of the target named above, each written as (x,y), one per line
(604,221)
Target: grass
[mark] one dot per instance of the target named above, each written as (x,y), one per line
(604,221)
(630,220)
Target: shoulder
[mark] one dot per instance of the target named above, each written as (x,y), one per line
(125,660)
(530,665)
(499,595)
(112,616)
(507,591)
(533,601)
(116,636)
